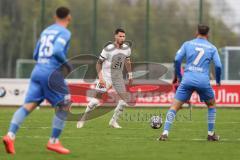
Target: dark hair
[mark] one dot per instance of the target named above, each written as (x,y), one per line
(62,12)
(203,29)
(119,30)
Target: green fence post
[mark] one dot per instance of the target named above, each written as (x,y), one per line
(200,11)
(94,38)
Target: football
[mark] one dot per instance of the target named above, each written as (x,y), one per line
(156,122)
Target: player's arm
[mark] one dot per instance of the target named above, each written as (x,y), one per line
(218,67)
(60,44)
(36,50)
(178,60)
(128,66)
(100,61)
(174,81)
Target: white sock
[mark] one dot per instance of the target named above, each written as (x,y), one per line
(90,107)
(92,104)
(116,115)
(210,133)
(118,110)
(165,132)
(53,140)
(11,135)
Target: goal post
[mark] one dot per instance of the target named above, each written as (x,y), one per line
(230,56)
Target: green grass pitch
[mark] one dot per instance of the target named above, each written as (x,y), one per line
(135,141)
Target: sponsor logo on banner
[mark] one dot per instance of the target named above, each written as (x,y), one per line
(226,95)
(17,92)
(2,92)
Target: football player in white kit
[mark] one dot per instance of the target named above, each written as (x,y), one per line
(110,67)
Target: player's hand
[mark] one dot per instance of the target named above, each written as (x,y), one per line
(219,84)
(66,69)
(179,80)
(102,83)
(130,78)
(130,82)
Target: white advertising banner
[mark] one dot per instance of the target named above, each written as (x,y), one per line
(12,92)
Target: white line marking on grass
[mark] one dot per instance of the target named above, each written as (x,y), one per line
(117,138)
(201,139)
(205,122)
(36,127)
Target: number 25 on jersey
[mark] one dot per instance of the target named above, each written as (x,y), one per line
(46,47)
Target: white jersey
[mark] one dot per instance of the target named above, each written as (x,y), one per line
(113,61)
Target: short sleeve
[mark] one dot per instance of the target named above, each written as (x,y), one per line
(63,38)
(180,53)
(103,55)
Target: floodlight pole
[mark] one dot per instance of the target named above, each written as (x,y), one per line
(147,34)
(94,38)
(147,30)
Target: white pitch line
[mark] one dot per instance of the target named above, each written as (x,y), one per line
(36,127)
(198,139)
(205,140)
(117,138)
(206,121)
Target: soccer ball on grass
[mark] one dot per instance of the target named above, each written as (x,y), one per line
(156,122)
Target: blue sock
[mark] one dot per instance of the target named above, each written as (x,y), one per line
(56,133)
(169,119)
(211,118)
(58,123)
(17,119)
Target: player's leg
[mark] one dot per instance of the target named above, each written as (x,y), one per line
(33,98)
(117,113)
(120,88)
(57,93)
(171,114)
(58,124)
(19,116)
(17,119)
(93,103)
(212,136)
(183,94)
(207,95)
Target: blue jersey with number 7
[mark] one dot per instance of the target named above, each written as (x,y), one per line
(198,54)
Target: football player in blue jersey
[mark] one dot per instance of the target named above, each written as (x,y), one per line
(198,53)
(50,54)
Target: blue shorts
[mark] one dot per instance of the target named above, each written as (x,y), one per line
(184,92)
(48,85)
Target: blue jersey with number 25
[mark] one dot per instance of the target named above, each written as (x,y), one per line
(47,82)
(51,48)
